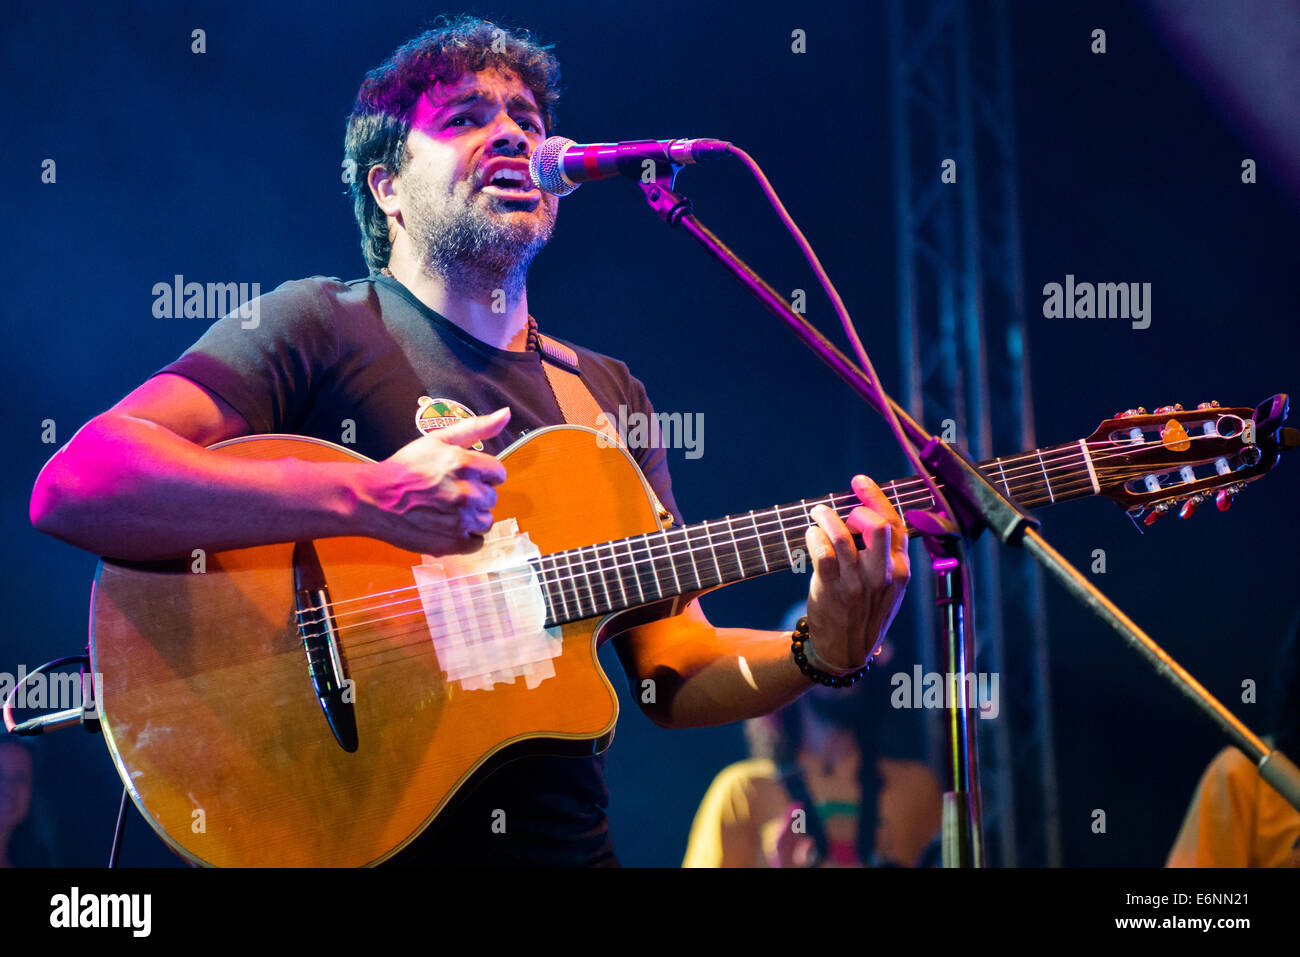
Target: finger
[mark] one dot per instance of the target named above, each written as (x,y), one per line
(838,535)
(876,559)
(479,465)
(477,522)
(825,564)
(474,429)
(874,498)
(871,495)
(480,497)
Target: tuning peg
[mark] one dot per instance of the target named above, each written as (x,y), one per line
(1128,412)
(1157,513)
(1191,504)
(1208,405)
(1223,500)
(1165,409)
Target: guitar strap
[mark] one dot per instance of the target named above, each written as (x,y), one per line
(577,404)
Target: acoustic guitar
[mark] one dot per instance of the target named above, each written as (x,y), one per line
(321,703)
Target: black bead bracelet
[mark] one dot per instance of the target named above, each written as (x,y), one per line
(797,641)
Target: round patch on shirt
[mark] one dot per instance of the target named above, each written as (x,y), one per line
(434,414)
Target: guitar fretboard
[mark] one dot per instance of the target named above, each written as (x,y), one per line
(611,576)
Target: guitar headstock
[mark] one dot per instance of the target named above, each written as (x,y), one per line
(1151,463)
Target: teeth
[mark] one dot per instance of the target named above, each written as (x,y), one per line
(510,177)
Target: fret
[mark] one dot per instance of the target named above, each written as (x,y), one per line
(554,580)
(722,556)
(713,553)
(785,538)
(684,531)
(1003,473)
(636,571)
(600,572)
(549,591)
(705,542)
(618,572)
(1025,491)
(758,537)
(586,580)
(577,592)
(800,532)
(672,563)
(654,564)
(735,543)
(1046,481)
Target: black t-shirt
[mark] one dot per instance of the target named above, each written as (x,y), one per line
(366,365)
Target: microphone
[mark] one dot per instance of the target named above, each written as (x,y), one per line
(560,166)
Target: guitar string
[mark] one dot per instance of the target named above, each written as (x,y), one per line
(423,638)
(1070,451)
(708,546)
(528,579)
(650,584)
(423,645)
(556,575)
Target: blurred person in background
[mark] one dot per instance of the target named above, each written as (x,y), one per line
(22,843)
(1235,819)
(828,783)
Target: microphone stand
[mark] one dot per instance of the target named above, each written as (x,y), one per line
(978,506)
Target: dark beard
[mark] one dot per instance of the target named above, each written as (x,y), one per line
(471,249)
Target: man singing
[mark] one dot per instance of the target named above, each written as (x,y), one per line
(416,357)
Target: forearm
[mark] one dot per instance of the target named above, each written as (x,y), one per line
(128,488)
(707,676)
(754,675)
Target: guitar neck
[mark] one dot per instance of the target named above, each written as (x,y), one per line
(612,576)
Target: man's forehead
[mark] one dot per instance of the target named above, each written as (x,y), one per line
(491,84)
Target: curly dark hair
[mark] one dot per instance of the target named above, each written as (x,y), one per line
(381,119)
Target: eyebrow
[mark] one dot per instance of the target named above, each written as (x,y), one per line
(514,102)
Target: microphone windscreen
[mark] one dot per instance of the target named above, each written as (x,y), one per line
(544,166)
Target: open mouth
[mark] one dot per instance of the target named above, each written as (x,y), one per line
(511,184)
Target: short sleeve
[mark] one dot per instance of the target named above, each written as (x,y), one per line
(1221,819)
(267,359)
(725,830)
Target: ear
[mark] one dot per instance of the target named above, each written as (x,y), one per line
(383,187)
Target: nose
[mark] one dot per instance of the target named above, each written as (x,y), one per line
(509,138)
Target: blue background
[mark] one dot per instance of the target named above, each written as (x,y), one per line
(225,166)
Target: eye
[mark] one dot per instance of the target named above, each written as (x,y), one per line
(457,119)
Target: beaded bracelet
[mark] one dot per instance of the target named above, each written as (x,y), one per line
(802,650)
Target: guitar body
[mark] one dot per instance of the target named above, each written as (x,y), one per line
(211,717)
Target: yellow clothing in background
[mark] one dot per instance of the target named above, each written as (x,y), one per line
(1236,820)
(746,811)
